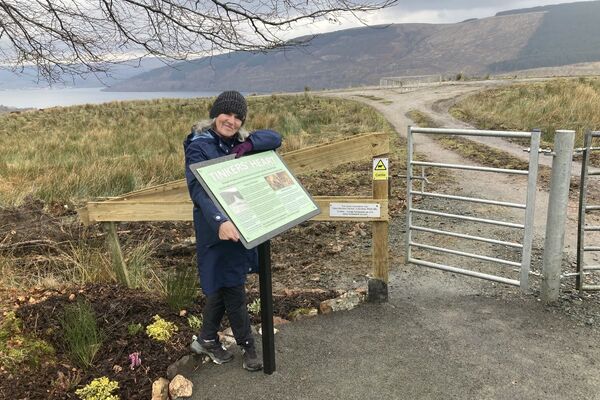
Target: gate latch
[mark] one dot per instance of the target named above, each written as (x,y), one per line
(422,177)
(546,152)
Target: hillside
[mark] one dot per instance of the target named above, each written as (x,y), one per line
(518,39)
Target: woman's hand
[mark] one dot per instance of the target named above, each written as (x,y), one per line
(227,231)
(242,148)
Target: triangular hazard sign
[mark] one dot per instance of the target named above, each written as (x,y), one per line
(380,166)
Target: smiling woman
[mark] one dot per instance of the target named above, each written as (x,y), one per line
(223,261)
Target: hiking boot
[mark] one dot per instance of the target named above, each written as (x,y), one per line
(212,348)
(251,360)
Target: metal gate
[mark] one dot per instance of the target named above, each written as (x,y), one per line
(528,206)
(584,272)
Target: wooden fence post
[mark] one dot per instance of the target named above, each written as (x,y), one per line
(116,254)
(378,285)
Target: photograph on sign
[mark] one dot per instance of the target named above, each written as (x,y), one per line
(258,193)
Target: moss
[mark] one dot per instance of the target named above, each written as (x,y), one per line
(18,349)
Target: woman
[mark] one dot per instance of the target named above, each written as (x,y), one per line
(223,261)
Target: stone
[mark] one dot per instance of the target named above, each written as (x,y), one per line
(279,321)
(226,337)
(346,301)
(160,389)
(303,313)
(325,307)
(275,330)
(185,366)
(180,388)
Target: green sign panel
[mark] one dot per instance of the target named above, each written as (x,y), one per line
(258,193)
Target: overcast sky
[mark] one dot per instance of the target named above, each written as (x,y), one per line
(430,11)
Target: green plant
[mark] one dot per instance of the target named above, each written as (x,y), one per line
(195,322)
(160,329)
(254,307)
(140,265)
(81,333)
(18,349)
(181,289)
(99,389)
(134,329)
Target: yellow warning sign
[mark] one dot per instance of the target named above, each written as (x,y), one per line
(380,169)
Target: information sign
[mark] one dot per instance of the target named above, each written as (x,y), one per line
(258,193)
(354,210)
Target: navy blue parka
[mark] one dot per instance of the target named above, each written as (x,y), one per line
(221,263)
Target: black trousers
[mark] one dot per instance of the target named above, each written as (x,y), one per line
(233,301)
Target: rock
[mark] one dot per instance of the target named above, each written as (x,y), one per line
(279,321)
(325,307)
(303,313)
(72,297)
(347,301)
(295,292)
(180,387)
(275,330)
(185,366)
(226,337)
(160,389)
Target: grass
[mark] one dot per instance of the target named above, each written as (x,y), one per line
(81,334)
(421,119)
(73,154)
(572,104)
(181,288)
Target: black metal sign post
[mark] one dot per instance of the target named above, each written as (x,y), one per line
(266,307)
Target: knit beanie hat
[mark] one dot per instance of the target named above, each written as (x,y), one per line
(228,102)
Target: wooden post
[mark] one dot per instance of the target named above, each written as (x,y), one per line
(378,289)
(116,254)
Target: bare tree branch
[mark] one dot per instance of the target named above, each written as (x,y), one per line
(76,37)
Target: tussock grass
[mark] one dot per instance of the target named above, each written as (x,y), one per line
(71,154)
(78,263)
(552,105)
(181,288)
(81,333)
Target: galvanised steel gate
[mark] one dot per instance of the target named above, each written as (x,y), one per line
(528,206)
(584,272)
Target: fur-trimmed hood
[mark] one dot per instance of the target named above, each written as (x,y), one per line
(206,124)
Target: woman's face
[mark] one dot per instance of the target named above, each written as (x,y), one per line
(227,125)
